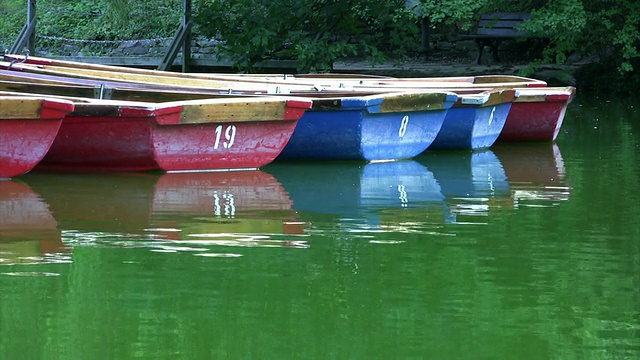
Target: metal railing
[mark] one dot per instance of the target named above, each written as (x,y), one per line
(181,40)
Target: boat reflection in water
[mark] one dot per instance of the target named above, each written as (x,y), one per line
(43,216)
(248,208)
(28,231)
(474,183)
(362,198)
(167,211)
(500,180)
(536,173)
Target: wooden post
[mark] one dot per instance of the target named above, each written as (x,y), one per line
(31,16)
(27,36)
(425,35)
(186,45)
(182,40)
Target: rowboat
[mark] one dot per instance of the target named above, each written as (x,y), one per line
(28,230)
(372,127)
(355,126)
(475,121)
(166,211)
(156,82)
(532,114)
(19,83)
(536,115)
(325,81)
(28,127)
(195,135)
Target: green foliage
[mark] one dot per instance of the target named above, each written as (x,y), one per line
(108,19)
(84,21)
(592,28)
(459,12)
(576,28)
(315,32)
(13,14)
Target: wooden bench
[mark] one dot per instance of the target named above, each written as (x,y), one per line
(493,28)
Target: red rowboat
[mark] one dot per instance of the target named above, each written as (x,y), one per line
(28,127)
(537,114)
(196,135)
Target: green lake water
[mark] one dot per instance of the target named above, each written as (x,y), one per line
(528,251)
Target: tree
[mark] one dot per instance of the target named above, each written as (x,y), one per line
(314,32)
(606,29)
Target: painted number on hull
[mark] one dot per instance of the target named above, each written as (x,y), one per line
(493,111)
(403,126)
(227,135)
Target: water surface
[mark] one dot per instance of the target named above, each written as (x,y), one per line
(523,251)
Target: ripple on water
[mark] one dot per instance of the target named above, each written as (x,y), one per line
(219,255)
(31,273)
(8,258)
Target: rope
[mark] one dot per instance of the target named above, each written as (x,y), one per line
(56,38)
(11,11)
(91,14)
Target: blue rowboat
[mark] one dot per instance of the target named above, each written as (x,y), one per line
(475,121)
(385,126)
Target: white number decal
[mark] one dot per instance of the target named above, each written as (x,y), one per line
(403,196)
(229,136)
(493,110)
(403,126)
(228,206)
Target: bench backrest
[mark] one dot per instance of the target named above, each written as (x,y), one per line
(502,24)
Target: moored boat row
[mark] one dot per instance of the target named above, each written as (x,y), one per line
(120,119)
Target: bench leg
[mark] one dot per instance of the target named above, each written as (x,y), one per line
(481,44)
(495,44)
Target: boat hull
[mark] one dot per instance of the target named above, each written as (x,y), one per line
(25,139)
(471,127)
(140,143)
(534,121)
(476,120)
(359,135)
(179,136)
